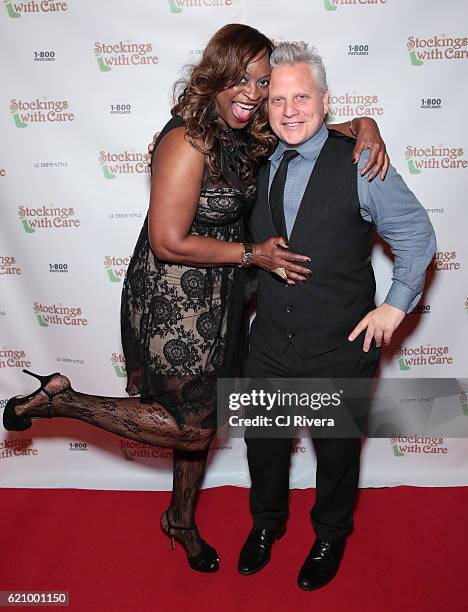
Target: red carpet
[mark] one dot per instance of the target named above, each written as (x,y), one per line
(408,552)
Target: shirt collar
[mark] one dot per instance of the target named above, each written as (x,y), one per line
(309,149)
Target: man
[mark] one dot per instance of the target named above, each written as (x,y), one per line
(311,194)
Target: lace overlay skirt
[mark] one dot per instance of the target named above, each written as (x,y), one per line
(183,327)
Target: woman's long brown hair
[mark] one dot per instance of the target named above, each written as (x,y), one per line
(222,66)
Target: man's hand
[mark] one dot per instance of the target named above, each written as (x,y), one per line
(150,148)
(380,323)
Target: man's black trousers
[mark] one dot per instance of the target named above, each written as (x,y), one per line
(337,458)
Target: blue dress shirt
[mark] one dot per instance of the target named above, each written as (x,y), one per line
(398,216)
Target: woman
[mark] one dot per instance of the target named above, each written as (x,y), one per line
(183,304)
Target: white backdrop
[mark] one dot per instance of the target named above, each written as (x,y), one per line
(84,86)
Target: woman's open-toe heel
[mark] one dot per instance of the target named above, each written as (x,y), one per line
(13,422)
(206,560)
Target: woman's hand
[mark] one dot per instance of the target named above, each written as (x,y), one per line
(368,137)
(273,253)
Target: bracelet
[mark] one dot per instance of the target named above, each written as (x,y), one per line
(247,256)
(350,125)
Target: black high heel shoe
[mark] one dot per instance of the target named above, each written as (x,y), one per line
(206,560)
(13,422)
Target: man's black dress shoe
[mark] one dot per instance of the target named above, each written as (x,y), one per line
(321,564)
(256,552)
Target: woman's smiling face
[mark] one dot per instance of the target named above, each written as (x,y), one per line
(236,105)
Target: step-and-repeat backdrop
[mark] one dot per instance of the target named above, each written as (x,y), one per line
(85,84)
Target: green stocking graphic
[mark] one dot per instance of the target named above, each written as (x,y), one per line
(329,6)
(414,59)
(402,364)
(396,451)
(465,408)
(174,7)
(107,173)
(42,323)
(119,371)
(27,228)
(103,67)
(11,11)
(18,122)
(412,167)
(110,272)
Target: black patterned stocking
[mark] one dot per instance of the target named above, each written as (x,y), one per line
(188,472)
(149,423)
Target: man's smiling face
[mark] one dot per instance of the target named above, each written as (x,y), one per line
(296,106)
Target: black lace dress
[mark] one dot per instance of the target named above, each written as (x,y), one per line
(183,327)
